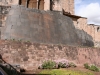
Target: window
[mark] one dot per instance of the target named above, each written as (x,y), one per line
(98,28)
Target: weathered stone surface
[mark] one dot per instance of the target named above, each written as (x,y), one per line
(39,26)
(31,55)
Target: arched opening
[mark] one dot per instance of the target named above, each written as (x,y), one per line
(38,4)
(98,29)
(32,4)
(51,5)
(22,2)
(41,4)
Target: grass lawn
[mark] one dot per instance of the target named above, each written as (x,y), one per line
(64,72)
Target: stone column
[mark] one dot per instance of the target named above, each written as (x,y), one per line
(37,4)
(46,4)
(26,3)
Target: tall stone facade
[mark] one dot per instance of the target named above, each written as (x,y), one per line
(56,5)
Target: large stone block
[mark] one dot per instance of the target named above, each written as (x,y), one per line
(40,26)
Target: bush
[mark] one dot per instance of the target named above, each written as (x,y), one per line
(94,68)
(86,66)
(62,65)
(56,64)
(72,64)
(48,65)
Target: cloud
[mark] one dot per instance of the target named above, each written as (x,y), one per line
(91,11)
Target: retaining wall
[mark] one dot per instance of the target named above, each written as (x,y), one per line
(31,55)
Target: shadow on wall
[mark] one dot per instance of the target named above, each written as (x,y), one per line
(85,38)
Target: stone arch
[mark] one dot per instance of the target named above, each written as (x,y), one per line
(51,5)
(22,2)
(98,29)
(32,3)
(41,4)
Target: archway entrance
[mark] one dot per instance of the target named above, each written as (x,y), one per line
(41,4)
(38,4)
(22,2)
(32,4)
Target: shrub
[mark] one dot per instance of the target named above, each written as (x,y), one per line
(56,64)
(62,65)
(86,66)
(72,64)
(48,65)
(93,68)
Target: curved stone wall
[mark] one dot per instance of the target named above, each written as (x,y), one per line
(39,26)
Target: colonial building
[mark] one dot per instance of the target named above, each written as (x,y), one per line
(56,5)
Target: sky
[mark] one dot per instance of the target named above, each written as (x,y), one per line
(89,9)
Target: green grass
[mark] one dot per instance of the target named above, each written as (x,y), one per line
(64,72)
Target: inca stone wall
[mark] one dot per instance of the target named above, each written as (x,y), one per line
(31,55)
(39,26)
(92,30)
